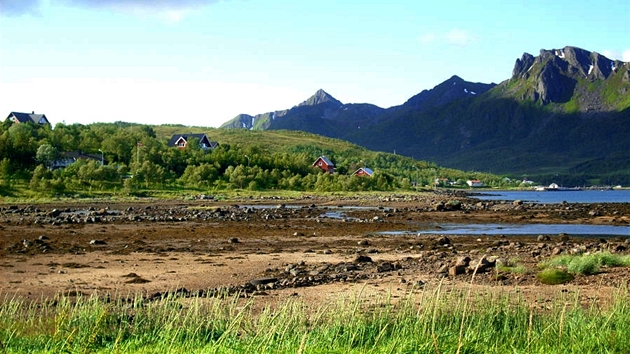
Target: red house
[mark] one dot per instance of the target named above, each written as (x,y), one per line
(363,171)
(325,164)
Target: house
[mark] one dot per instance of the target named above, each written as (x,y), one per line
(443,181)
(325,164)
(363,171)
(68,158)
(181,141)
(474,183)
(20,118)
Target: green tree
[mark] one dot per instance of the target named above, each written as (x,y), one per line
(46,155)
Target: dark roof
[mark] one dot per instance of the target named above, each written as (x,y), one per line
(28,117)
(80,155)
(201,137)
(326,161)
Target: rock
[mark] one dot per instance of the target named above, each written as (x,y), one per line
(556,251)
(233,240)
(543,238)
(54,213)
(363,243)
(385,267)
(443,241)
(456,270)
(482,265)
(263,281)
(362,259)
(462,261)
(97,242)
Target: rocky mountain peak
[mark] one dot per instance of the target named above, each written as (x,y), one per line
(555,72)
(319,97)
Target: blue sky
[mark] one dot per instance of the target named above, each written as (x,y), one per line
(202,62)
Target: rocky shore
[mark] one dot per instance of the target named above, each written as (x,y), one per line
(267,246)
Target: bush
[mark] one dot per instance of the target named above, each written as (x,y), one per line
(554,276)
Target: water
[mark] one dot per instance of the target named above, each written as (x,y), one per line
(518,229)
(547,197)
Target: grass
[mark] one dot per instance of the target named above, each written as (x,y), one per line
(433,321)
(587,264)
(554,276)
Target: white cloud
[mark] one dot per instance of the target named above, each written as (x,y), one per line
(427,38)
(459,37)
(617,55)
(172,10)
(455,37)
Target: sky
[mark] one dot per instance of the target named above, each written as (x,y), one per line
(202,62)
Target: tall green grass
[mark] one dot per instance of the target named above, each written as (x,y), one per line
(587,264)
(433,321)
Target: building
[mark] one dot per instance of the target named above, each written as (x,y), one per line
(363,171)
(68,158)
(21,118)
(181,141)
(325,164)
(474,183)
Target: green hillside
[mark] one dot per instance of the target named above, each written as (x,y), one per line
(133,159)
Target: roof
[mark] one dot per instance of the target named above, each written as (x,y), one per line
(326,161)
(29,117)
(364,169)
(80,155)
(176,137)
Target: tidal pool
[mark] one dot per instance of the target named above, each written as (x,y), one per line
(516,229)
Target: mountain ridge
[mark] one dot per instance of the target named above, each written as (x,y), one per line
(560,110)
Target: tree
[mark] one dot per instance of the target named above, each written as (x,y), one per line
(46,154)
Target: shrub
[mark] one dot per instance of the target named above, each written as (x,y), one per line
(553,276)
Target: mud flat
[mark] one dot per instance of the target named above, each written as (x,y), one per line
(313,247)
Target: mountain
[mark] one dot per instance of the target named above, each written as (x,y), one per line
(450,90)
(320,114)
(565,111)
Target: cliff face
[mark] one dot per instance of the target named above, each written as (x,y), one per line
(556,75)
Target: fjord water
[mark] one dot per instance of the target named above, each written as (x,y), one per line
(527,229)
(554,197)
(542,197)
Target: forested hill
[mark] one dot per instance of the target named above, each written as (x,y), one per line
(128,157)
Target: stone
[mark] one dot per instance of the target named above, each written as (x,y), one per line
(263,281)
(456,270)
(462,261)
(385,267)
(362,259)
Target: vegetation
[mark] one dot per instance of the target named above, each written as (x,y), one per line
(436,321)
(554,276)
(586,264)
(137,160)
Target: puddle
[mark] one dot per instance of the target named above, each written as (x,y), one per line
(337,215)
(92,212)
(270,206)
(517,229)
